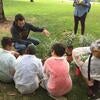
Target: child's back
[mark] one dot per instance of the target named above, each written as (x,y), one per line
(59,81)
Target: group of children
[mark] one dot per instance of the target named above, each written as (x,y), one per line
(28,72)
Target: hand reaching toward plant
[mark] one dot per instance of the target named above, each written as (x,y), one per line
(46,32)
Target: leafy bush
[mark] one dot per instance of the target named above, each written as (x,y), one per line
(43,50)
(67,39)
(86,40)
(77,41)
(45,47)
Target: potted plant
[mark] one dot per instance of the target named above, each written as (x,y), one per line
(68,41)
(69,48)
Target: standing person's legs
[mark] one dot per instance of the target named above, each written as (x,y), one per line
(82,20)
(34,41)
(76,21)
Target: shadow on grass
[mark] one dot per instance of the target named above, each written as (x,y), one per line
(78,92)
(8,92)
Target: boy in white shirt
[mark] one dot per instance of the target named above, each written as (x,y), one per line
(7,61)
(28,71)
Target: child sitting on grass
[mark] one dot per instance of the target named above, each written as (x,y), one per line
(7,60)
(28,71)
(56,70)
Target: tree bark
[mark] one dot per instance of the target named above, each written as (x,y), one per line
(31,0)
(2,15)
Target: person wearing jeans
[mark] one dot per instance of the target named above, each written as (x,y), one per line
(20,31)
(80,13)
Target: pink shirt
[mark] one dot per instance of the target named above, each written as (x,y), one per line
(59,82)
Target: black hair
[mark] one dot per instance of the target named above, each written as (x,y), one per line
(6,41)
(31,49)
(59,49)
(19,17)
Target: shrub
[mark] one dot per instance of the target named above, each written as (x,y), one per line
(43,50)
(86,40)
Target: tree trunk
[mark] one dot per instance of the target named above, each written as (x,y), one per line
(2,15)
(31,0)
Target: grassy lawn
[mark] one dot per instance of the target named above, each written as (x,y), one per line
(57,17)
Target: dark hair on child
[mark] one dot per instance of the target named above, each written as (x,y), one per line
(6,41)
(59,49)
(31,49)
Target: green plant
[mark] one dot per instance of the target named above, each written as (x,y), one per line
(68,39)
(45,48)
(86,40)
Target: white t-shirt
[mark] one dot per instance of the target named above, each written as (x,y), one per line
(28,72)
(7,65)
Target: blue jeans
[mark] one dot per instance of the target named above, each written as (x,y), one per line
(33,40)
(21,47)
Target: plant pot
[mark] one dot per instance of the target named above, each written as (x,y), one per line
(69,58)
(69,53)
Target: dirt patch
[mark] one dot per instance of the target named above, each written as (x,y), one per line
(5,26)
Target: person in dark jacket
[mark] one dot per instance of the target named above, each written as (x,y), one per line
(20,31)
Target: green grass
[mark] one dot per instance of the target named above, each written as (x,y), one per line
(57,17)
